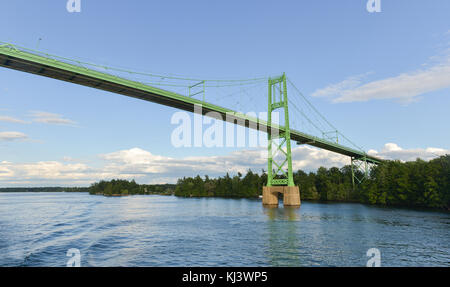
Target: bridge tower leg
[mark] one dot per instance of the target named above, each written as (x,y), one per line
(360,170)
(279,176)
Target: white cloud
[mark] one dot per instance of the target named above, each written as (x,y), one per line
(141,163)
(12,136)
(394,152)
(405,87)
(11,120)
(50,118)
(336,89)
(46,173)
(68,159)
(146,167)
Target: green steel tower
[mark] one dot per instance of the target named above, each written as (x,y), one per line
(279,176)
(278,100)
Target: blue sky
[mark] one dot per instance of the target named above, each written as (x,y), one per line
(382,78)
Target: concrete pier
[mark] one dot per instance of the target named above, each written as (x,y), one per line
(291,195)
(270,195)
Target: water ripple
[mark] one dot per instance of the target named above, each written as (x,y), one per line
(38,229)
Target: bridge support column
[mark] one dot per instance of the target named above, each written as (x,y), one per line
(270,195)
(279,174)
(360,170)
(291,195)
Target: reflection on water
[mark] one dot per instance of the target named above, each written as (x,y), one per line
(284,213)
(283,244)
(37,229)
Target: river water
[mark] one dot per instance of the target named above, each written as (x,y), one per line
(37,229)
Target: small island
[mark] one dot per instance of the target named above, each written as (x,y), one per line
(120,187)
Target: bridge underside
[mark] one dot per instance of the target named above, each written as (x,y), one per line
(15,59)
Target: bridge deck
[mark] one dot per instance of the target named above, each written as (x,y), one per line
(17,59)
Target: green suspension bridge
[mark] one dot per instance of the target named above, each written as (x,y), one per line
(188,93)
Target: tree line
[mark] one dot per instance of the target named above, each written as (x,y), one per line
(120,187)
(392,183)
(417,183)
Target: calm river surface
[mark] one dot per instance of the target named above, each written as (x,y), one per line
(37,229)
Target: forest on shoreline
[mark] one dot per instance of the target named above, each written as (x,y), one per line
(424,184)
(393,183)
